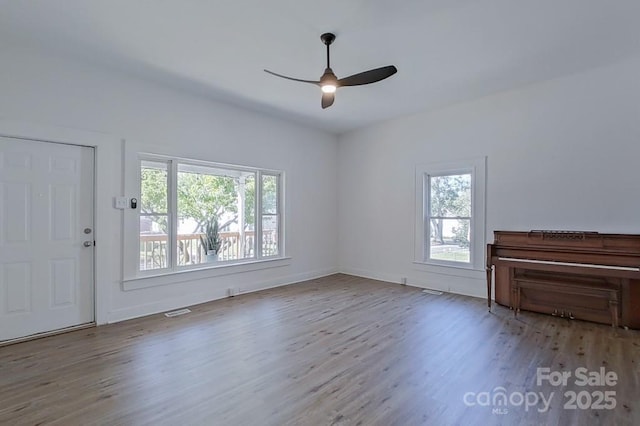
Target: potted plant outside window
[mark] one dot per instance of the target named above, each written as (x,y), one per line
(211,241)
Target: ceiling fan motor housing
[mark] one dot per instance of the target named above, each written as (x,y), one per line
(328,78)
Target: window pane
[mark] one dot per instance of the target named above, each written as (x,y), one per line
(153,187)
(269,235)
(208,197)
(154,253)
(153,242)
(269,194)
(249,225)
(450,196)
(450,239)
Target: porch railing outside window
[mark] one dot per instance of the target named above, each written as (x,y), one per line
(153,248)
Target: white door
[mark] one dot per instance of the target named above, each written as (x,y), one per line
(46,237)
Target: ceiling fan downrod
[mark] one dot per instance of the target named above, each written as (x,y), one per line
(327,39)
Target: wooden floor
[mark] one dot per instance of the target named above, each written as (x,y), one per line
(339,350)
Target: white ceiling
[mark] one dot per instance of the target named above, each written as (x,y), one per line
(446,51)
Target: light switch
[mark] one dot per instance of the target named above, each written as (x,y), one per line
(120,202)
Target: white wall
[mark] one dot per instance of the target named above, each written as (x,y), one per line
(47,92)
(562,154)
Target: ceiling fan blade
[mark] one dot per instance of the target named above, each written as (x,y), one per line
(327,99)
(367,77)
(291,78)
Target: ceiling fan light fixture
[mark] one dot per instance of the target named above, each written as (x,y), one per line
(328,81)
(329,88)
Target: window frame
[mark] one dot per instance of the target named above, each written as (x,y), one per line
(477,169)
(172,214)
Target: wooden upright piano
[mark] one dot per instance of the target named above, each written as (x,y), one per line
(577,275)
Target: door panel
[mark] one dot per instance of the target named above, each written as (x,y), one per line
(63,212)
(63,282)
(46,273)
(16,206)
(17,279)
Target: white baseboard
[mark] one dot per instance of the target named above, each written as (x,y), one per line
(372,275)
(449,284)
(198,298)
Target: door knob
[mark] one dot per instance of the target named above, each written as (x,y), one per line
(87,243)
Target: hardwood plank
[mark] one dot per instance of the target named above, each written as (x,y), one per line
(339,350)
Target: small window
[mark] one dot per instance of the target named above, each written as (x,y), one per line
(195,213)
(450,214)
(449,217)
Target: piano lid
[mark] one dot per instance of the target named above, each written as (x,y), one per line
(578,240)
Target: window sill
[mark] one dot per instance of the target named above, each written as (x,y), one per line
(451,270)
(186,275)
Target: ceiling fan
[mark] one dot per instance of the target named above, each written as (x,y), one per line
(329,82)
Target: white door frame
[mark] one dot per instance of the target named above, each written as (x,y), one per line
(107,221)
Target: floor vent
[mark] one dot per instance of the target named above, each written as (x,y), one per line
(429,291)
(176,313)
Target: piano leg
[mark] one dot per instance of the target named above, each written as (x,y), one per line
(613,304)
(515,299)
(489,288)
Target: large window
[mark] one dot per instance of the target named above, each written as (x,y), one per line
(194,213)
(450,213)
